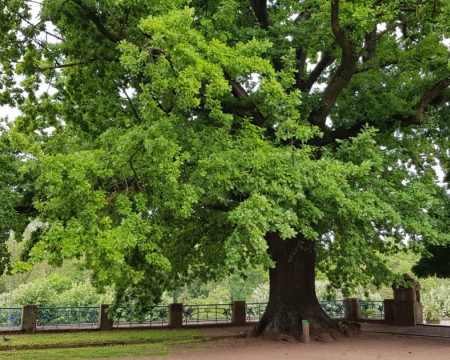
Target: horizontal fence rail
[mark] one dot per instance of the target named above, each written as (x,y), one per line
(157,315)
(10,317)
(68,316)
(372,309)
(207,314)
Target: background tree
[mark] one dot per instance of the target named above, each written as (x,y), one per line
(435,263)
(188,139)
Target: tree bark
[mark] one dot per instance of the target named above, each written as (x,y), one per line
(292,291)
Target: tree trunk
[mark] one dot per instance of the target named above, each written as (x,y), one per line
(292,291)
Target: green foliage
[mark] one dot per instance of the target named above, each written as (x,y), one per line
(39,292)
(177,136)
(56,290)
(436,303)
(242,285)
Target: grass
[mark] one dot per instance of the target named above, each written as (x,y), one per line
(104,352)
(97,336)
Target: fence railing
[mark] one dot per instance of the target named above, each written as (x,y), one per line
(372,309)
(209,313)
(157,315)
(68,316)
(334,308)
(254,311)
(10,317)
(190,314)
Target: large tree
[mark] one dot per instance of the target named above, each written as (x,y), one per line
(162,141)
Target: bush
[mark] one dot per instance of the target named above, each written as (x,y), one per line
(56,290)
(39,292)
(83,294)
(436,303)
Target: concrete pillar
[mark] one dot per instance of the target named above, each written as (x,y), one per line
(175,315)
(105,323)
(29,318)
(352,307)
(239,315)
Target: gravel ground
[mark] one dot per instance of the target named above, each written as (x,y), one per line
(375,343)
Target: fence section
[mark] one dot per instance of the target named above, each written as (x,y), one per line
(334,308)
(78,316)
(371,309)
(207,314)
(10,317)
(156,316)
(255,311)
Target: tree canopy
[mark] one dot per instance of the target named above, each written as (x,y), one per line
(161,141)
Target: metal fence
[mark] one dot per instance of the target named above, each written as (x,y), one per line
(88,316)
(157,315)
(334,308)
(68,316)
(255,311)
(207,314)
(372,309)
(10,317)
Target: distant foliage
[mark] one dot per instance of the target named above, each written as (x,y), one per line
(436,303)
(260,293)
(39,292)
(435,263)
(56,290)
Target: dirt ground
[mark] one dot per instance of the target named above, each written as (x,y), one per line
(424,342)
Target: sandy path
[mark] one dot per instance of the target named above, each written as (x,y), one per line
(364,347)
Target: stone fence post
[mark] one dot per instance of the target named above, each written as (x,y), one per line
(239,316)
(29,318)
(175,315)
(406,308)
(352,307)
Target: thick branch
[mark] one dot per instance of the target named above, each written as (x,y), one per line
(103,30)
(425,100)
(239,93)
(437,96)
(262,15)
(370,46)
(338,32)
(301,55)
(303,16)
(325,61)
(343,74)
